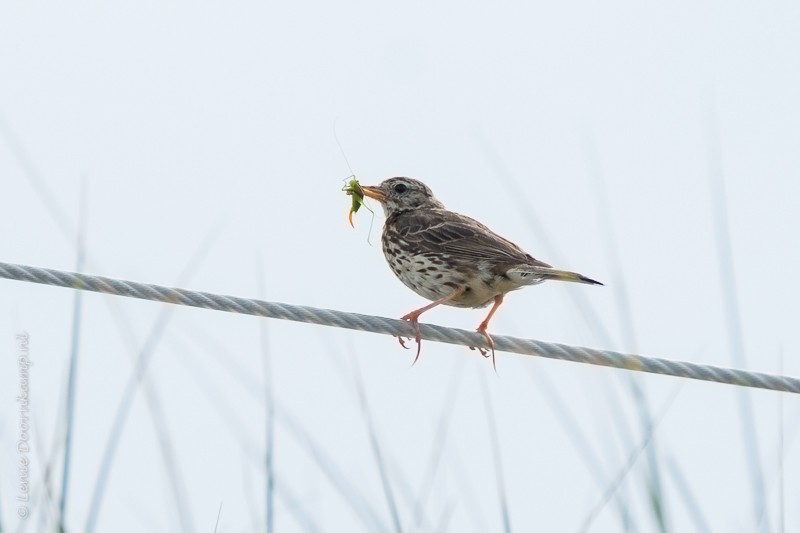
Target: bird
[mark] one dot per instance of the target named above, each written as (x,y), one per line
(452,259)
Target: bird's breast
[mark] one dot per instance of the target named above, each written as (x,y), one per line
(435,275)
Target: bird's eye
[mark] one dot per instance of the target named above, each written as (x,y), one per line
(400,188)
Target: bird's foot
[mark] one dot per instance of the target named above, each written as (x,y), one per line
(413,318)
(484,352)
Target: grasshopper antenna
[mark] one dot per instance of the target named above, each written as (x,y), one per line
(341,150)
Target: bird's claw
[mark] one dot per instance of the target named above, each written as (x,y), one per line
(412,317)
(484,352)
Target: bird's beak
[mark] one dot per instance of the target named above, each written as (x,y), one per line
(374,192)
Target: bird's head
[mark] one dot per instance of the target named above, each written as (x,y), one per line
(402,194)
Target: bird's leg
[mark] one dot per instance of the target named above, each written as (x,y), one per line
(413,317)
(485,324)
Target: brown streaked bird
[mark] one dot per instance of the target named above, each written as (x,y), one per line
(450,258)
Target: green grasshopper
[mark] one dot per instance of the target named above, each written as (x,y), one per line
(353,188)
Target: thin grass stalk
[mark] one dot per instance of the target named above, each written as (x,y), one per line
(496,457)
(633,457)
(444,520)
(733,321)
(781,458)
(467,499)
(780,447)
(35,178)
(294,506)
(438,444)
(169,457)
(578,438)
(689,500)
(219,514)
(269,421)
(73,364)
(630,342)
(375,444)
(617,442)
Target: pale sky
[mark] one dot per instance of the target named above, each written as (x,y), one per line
(586,132)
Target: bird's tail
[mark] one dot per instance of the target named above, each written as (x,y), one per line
(563,275)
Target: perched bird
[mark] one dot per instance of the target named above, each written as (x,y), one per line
(450,258)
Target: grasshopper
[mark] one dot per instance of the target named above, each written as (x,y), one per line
(353,188)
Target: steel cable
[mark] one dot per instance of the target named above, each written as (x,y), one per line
(390,326)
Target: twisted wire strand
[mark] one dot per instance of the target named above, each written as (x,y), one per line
(390,326)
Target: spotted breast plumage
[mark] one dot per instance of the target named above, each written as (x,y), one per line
(450,258)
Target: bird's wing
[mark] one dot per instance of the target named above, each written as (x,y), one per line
(459,236)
